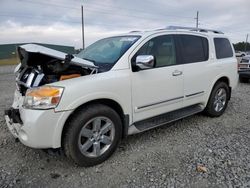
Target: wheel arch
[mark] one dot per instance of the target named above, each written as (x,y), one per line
(224,79)
(208,108)
(105,101)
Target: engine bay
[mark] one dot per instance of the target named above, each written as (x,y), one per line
(37,69)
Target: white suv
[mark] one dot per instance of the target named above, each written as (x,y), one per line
(118,86)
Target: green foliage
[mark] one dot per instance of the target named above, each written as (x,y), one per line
(240,46)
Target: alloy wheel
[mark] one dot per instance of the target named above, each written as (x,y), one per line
(96,136)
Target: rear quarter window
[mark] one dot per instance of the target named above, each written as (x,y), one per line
(223,48)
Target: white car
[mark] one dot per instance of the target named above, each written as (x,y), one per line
(240,54)
(244,69)
(119,86)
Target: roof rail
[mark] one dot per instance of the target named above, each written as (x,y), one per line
(194,29)
(134,31)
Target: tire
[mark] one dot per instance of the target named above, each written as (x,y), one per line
(100,128)
(243,80)
(216,109)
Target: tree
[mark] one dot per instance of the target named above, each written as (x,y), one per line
(240,46)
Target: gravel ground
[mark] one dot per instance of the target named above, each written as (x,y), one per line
(7,69)
(164,157)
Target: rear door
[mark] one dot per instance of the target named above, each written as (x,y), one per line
(194,52)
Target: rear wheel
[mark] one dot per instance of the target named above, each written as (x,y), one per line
(218,100)
(93,135)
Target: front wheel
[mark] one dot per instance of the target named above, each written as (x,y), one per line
(218,100)
(93,135)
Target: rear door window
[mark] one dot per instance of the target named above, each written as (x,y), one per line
(223,48)
(193,48)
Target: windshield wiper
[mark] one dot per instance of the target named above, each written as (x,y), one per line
(93,61)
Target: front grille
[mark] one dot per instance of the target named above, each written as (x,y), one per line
(28,78)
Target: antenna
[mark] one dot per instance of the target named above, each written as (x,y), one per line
(83,42)
(197,19)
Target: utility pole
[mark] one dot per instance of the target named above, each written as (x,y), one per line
(83,42)
(246,43)
(197,19)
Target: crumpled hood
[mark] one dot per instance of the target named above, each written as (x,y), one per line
(34,48)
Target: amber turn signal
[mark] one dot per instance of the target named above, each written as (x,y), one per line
(65,77)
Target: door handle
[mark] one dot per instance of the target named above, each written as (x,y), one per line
(177,73)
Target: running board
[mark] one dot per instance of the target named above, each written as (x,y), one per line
(164,119)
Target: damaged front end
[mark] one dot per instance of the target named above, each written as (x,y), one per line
(40,65)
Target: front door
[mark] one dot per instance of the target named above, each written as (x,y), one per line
(160,89)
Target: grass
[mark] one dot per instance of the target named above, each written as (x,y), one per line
(11,61)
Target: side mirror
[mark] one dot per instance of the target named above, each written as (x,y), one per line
(145,61)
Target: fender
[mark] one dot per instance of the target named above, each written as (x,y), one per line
(77,103)
(213,84)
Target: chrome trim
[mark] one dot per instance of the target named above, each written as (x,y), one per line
(220,100)
(152,104)
(96,136)
(193,94)
(145,61)
(21,83)
(30,79)
(38,79)
(19,76)
(176,73)
(193,29)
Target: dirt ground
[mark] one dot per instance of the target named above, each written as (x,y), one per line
(11,61)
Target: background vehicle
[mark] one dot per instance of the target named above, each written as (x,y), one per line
(244,69)
(240,54)
(119,86)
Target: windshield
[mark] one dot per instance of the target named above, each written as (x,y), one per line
(106,52)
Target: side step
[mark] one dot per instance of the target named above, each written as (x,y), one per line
(164,119)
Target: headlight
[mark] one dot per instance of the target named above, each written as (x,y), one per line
(45,97)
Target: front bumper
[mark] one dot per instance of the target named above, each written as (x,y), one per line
(36,128)
(13,127)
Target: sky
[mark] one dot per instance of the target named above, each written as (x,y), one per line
(59,21)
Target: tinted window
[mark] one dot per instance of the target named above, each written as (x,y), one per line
(223,48)
(162,48)
(193,48)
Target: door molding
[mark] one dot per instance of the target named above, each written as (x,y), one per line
(157,103)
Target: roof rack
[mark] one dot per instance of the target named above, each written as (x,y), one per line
(194,29)
(134,31)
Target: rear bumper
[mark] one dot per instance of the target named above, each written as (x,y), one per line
(244,73)
(36,128)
